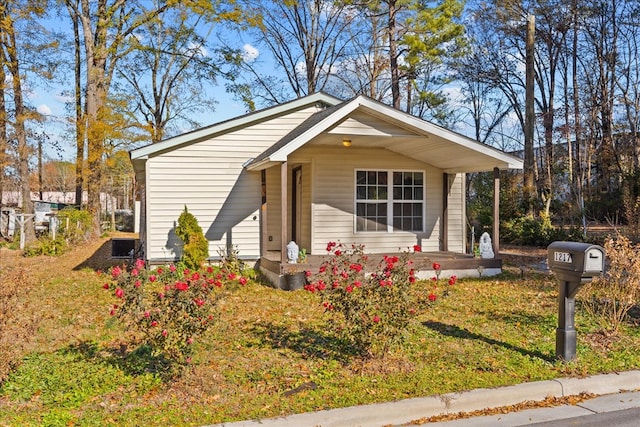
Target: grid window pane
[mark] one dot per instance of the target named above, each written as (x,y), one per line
(373,194)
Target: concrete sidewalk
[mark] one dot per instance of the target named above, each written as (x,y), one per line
(613,388)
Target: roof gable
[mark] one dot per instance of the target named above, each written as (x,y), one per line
(233,124)
(369,123)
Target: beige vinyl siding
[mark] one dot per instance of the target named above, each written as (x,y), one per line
(208,177)
(365,124)
(274,217)
(305,220)
(333,199)
(273,209)
(457,214)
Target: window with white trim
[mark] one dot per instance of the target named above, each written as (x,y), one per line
(387,205)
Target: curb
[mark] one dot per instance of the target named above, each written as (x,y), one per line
(404,411)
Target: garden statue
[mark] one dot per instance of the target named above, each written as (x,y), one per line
(292,252)
(486,248)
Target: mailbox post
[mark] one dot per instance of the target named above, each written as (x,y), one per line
(574,264)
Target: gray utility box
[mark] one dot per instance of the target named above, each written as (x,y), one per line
(574,264)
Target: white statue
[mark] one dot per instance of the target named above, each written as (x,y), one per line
(486,248)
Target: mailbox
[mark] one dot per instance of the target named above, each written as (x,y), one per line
(574,264)
(575,260)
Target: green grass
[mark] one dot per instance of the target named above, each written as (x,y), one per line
(488,332)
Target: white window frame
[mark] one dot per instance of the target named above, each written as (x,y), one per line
(389,201)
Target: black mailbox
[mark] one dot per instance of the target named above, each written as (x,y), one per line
(574,264)
(575,260)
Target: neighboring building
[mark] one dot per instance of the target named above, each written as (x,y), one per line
(312,170)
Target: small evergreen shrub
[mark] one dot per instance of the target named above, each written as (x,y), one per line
(195,250)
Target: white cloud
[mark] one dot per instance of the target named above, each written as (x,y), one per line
(249,53)
(44,109)
(199,49)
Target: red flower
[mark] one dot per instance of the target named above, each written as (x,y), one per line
(152,278)
(349,289)
(105,286)
(356,267)
(344,275)
(231,276)
(436,266)
(181,286)
(357,283)
(452,280)
(376,319)
(119,293)
(322,268)
(308,273)
(434,278)
(165,333)
(159,270)
(412,279)
(432,297)
(137,284)
(336,284)
(116,271)
(172,268)
(209,269)
(338,252)
(189,340)
(154,323)
(199,302)
(417,248)
(146,314)
(139,264)
(134,272)
(243,281)
(321,285)
(195,277)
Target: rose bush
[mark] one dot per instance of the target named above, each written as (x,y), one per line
(170,307)
(370,311)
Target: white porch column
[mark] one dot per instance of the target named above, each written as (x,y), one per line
(496,211)
(284,193)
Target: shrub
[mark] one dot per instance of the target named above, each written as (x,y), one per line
(73,226)
(370,312)
(196,247)
(169,308)
(537,231)
(610,297)
(46,245)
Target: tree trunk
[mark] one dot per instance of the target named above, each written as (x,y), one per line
(529,175)
(13,65)
(393,55)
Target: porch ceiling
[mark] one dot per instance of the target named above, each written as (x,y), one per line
(431,149)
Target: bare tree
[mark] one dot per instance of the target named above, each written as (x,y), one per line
(307,39)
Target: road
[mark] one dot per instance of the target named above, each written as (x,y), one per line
(624,418)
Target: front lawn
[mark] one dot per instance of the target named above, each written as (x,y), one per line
(270,354)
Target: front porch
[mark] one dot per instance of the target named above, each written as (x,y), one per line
(451,264)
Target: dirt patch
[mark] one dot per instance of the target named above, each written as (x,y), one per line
(517,256)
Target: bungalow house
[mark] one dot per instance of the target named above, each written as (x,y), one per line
(314,170)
